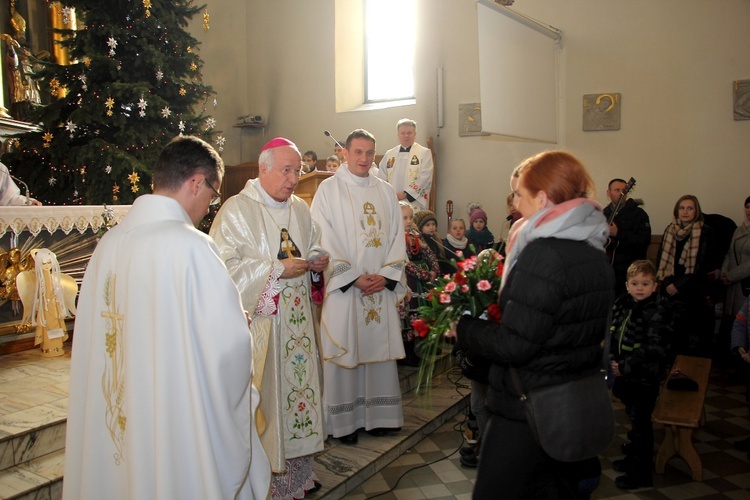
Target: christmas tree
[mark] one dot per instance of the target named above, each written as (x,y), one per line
(134,83)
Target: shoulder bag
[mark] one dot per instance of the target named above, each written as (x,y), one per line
(572,421)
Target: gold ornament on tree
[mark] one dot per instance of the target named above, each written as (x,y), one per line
(134,178)
(206,19)
(147,6)
(109,104)
(54,87)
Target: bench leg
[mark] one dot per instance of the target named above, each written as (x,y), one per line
(687,451)
(679,440)
(667,449)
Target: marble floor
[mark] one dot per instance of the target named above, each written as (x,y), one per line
(424,455)
(431,469)
(33,412)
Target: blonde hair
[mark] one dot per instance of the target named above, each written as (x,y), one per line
(643,266)
(457,220)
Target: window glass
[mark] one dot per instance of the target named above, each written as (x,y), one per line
(389,49)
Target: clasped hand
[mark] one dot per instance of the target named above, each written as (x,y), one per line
(370,283)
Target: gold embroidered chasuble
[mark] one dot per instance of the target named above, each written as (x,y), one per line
(249,235)
(361,225)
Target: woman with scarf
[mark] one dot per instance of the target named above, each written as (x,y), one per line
(556,293)
(683,255)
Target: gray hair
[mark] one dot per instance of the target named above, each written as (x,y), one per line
(406,121)
(268,156)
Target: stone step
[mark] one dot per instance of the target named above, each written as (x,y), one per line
(40,478)
(342,468)
(33,412)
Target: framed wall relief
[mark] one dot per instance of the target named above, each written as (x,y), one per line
(741,99)
(601,112)
(470,119)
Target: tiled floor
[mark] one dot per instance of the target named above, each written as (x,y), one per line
(33,395)
(726,471)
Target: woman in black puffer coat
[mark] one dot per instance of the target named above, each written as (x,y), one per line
(556,294)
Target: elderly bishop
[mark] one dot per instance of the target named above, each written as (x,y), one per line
(271,248)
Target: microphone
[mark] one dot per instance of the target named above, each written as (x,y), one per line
(25,187)
(327,133)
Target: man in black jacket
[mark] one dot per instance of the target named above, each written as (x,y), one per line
(629,231)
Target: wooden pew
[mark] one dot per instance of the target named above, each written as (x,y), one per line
(681,413)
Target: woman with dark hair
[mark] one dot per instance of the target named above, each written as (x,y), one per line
(556,294)
(683,255)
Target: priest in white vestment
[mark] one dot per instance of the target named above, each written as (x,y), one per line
(408,167)
(271,247)
(161,400)
(361,227)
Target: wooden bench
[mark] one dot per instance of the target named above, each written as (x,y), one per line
(681,413)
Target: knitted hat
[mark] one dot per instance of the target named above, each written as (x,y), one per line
(423,217)
(477,213)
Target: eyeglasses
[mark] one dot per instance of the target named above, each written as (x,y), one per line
(216,199)
(297,172)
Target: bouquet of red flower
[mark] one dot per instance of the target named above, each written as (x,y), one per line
(472,289)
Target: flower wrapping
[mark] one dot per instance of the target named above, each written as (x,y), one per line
(472,290)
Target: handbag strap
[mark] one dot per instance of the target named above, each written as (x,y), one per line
(605,359)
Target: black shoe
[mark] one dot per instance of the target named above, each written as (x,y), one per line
(378,431)
(410,357)
(622,465)
(470,461)
(632,482)
(411,361)
(316,487)
(742,445)
(467,450)
(350,438)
